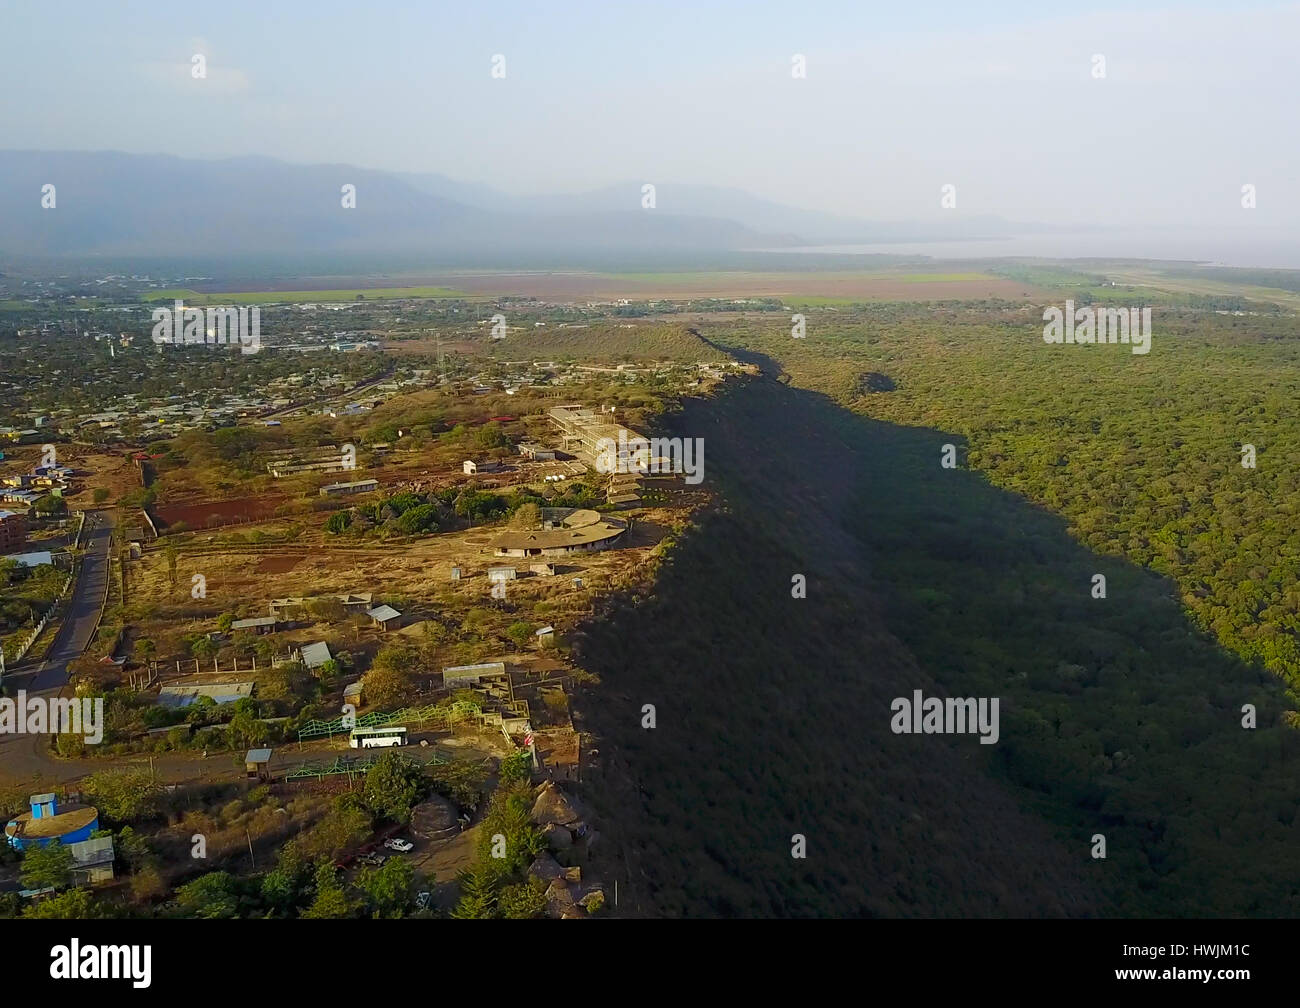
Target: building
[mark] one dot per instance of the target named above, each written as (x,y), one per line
(502,573)
(471,468)
(353,693)
(545,636)
(537,452)
(295,605)
(385,617)
(47,821)
(258,625)
(542,569)
(360,486)
(257,764)
(92,861)
(13,530)
(315,655)
(32,559)
(219,693)
(589,436)
(564,530)
(469,676)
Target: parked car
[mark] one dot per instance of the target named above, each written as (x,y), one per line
(400,845)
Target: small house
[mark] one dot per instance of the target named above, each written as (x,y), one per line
(385,617)
(257,764)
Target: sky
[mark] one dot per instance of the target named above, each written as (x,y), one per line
(997,99)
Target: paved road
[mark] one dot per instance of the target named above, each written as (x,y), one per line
(81,612)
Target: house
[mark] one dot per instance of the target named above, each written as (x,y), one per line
(32,559)
(288,608)
(385,616)
(360,486)
(258,625)
(92,861)
(544,569)
(545,636)
(257,764)
(477,467)
(468,676)
(219,693)
(537,452)
(352,693)
(502,573)
(13,530)
(315,655)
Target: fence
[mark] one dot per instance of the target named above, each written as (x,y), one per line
(435,717)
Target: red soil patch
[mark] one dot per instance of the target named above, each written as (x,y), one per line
(213,514)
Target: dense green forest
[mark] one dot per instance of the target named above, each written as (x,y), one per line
(1121,715)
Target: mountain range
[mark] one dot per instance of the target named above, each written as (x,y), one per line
(108,203)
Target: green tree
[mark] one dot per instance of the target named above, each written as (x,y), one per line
(212,896)
(389,890)
(523,900)
(75,904)
(48,867)
(478,896)
(100,494)
(394,784)
(225,621)
(331,901)
(520,634)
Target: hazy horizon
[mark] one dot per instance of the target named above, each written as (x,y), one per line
(1002,104)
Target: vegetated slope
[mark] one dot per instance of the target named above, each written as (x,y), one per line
(773,715)
(1121,715)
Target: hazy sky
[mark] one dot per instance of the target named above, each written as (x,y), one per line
(996,98)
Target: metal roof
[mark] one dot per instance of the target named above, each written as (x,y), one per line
(383,613)
(258,756)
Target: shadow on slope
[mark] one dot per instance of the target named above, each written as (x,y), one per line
(773,712)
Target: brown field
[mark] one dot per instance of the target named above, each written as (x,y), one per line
(211,514)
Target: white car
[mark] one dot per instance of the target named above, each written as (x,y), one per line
(399,845)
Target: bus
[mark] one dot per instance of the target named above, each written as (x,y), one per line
(371,738)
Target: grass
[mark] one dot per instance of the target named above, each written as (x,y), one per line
(320,296)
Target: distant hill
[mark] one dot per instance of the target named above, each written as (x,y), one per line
(111,204)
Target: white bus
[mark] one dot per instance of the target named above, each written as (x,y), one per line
(371,738)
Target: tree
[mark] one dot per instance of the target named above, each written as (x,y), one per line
(100,494)
(524,900)
(331,901)
(51,505)
(478,895)
(48,867)
(389,890)
(520,633)
(121,795)
(213,896)
(527,516)
(390,679)
(75,904)
(338,522)
(225,621)
(393,786)
(145,648)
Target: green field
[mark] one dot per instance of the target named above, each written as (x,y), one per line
(299,297)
